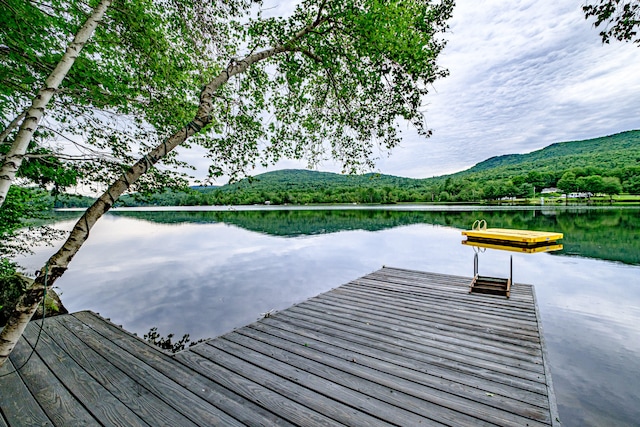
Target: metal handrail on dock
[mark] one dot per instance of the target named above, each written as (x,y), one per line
(522,241)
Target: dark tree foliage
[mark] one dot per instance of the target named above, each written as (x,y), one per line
(21,220)
(132,83)
(619,19)
(43,168)
(12,285)
(165,343)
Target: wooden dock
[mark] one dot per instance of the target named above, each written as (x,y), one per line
(395,347)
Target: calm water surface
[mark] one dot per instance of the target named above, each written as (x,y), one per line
(206,273)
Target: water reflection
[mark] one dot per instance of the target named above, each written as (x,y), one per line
(595,369)
(205,273)
(610,234)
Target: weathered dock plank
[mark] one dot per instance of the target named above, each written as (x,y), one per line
(214,393)
(270,390)
(363,352)
(372,379)
(396,347)
(445,332)
(174,400)
(102,405)
(418,351)
(19,408)
(60,406)
(435,315)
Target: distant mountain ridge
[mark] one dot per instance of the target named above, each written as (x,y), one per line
(310,177)
(617,150)
(607,165)
(612,151)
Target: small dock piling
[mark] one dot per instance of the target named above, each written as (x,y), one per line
(395,347)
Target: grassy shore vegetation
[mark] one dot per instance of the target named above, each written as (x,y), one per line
(601,170)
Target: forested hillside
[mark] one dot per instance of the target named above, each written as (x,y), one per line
(609,152)
(606,166)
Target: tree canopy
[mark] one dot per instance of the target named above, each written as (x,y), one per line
(335,79)
(132,83)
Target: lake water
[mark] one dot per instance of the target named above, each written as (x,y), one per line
(208,272)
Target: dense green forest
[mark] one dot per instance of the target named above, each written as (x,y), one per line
(602,166)
(609,234)
(610,152)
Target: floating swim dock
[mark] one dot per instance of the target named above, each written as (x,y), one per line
(393,348)
(513,236)
(523,241)
(511,239)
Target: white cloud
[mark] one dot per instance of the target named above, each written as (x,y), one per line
(523,75)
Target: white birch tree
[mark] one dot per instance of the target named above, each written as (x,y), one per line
(336,79)
(144,58)
(33,115)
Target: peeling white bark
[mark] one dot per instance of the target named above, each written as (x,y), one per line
(14,124)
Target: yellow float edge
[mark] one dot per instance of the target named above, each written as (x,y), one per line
(524,236)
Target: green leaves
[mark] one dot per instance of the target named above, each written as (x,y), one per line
(350,74)
(135,82)
(621,19)
(22,211)
(345,76)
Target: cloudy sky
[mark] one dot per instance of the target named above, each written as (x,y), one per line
(523,74)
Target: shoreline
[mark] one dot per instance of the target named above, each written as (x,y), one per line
(409,206)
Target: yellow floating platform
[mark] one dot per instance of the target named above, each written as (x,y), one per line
(508,235)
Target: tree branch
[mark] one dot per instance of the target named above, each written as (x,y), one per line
(14,123)
(39,103)
(58,263)
(319,14)
(311,55)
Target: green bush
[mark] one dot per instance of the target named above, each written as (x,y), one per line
(12,285)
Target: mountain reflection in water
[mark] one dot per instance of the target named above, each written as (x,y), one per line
(607,234)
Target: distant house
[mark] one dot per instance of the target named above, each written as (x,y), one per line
(583,195)
(550,190)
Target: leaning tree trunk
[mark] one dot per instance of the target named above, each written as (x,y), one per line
(58,263)
(13,158)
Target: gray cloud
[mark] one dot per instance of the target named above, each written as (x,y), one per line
(523,74)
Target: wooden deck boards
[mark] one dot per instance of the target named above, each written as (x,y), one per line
(395,347)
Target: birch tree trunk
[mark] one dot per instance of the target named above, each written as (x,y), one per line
(13,159)
(58,263)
